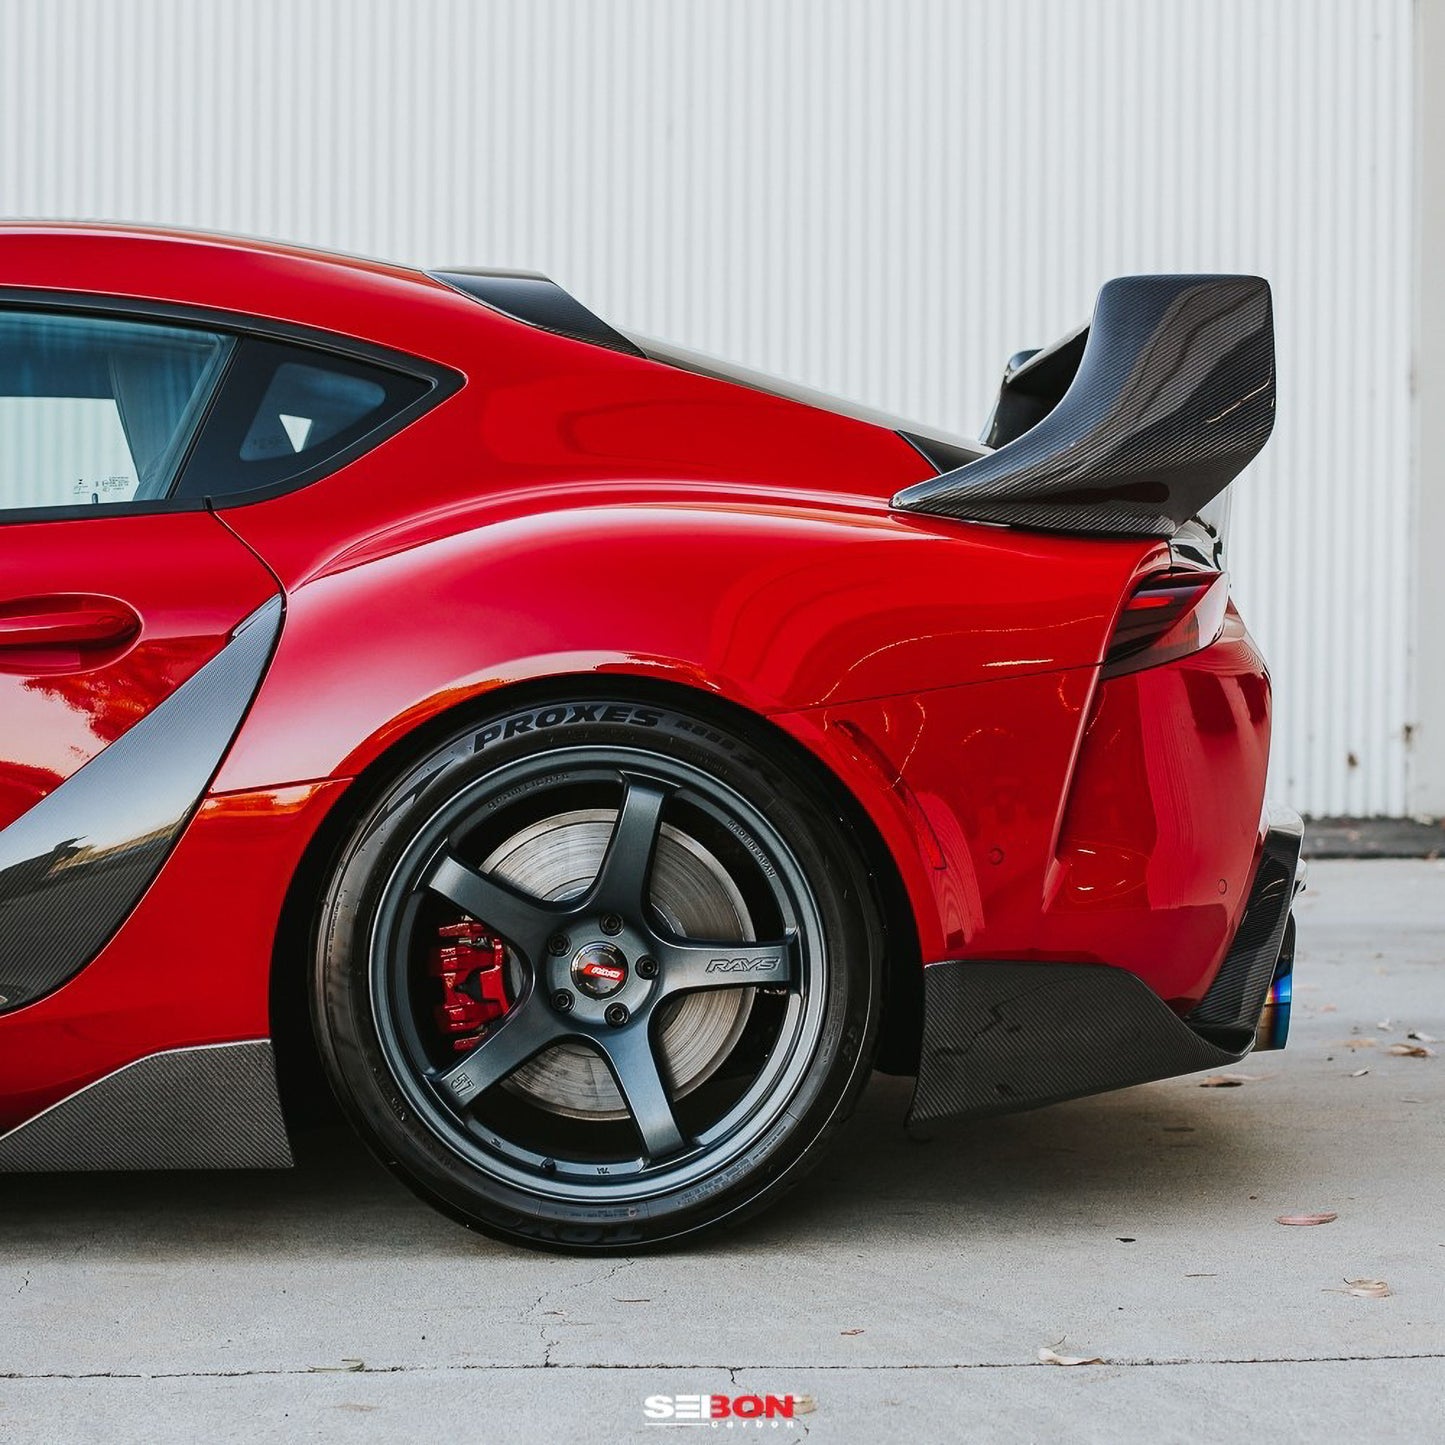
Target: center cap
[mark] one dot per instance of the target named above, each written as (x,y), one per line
(599,970)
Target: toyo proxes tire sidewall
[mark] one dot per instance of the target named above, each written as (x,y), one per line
(794,802)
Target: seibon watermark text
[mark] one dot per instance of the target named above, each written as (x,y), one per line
(726,1411)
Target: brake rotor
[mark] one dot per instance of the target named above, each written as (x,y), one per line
(558,858)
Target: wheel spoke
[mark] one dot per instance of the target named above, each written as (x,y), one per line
(629,1053)
(686,965)
(621,882)
(521,1034)
(523,921)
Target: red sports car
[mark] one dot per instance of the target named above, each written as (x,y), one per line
(597,758)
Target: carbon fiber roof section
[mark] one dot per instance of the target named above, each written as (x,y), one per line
(1173,397)
(536,300)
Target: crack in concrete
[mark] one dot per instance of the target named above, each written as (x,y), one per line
(550,1343)
(772,1367)
(541,1326)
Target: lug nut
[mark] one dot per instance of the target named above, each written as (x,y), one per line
(647,968)
(611,923)
(557,945)
(562,1001)
(617,1014)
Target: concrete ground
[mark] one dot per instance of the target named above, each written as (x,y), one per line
(907,1288)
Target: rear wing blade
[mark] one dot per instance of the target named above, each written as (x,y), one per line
(1130,428)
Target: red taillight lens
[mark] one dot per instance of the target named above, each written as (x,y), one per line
(1168,616)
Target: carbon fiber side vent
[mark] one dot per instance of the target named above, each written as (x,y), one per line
(75,865)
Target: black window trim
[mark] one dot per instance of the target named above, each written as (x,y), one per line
(442,382)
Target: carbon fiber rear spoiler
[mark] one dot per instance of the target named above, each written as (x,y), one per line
(1129,427)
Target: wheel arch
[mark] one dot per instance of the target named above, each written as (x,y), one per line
(298,1064)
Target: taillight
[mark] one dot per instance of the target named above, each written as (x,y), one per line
(1169,616)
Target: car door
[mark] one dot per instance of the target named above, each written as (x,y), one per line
(122,674)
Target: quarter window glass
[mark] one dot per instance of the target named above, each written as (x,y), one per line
(96,411)
(287,414)
(305,406)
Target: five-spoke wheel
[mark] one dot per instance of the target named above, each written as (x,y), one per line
(599,987)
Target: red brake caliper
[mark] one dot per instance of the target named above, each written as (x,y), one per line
(470,962)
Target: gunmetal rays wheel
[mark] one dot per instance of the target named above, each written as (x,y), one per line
(598,974)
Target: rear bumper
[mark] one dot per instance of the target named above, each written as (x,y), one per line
(999,1036)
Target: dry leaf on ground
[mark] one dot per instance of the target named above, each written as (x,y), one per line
(1366,1043)
(1326,1218)
(1048,1357)
(1359,1073)
(1364,1289)
(850,1332)
(1411,1051)
(1422,1038)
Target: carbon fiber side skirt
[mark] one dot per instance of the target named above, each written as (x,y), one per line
(212,1107)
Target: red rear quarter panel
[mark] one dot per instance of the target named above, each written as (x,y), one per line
(776,609)
(1068,820)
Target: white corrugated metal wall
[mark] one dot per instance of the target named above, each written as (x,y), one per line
(881,198)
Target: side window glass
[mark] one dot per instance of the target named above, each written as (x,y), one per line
(287,413)
(94,411)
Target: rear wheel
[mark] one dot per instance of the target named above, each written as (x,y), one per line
(598,974)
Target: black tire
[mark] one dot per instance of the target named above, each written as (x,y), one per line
(725,1067)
